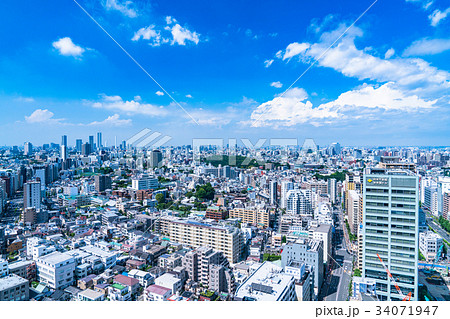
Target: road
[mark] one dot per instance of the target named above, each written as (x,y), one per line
(436,227)
(336,283)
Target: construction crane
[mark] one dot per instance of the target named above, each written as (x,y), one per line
(405,298)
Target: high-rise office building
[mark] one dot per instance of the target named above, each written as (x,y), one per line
(78,145)
(391,231)
(273,193)
(102,183)
(32,195)
(155,158)
(86,149)
(28,148)
(63,152)
(91,142)
(99,140)
(64,140)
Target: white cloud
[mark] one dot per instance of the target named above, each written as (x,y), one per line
(189,96)
(181,35)
(133,107)
(113,120)
(293,108)
(427,47)
(159,93)
(170,20)
(42,116)
(268,63)
(389,53)
(276,84)
(344,57)
(437,16)
(176,32)
(424,3)
(125,7)
(66,47)
(149,33)
(294,49)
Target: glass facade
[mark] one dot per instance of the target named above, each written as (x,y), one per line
(390,223)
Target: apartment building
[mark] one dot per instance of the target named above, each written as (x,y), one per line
(228,240)
(14,288)
(258,216)
(56,270)
(309,252)
(430,244)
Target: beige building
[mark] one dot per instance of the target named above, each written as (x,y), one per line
(197,234)
(255,216)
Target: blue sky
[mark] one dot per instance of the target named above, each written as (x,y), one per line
(230,65)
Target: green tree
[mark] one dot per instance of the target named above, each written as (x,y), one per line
(160,198)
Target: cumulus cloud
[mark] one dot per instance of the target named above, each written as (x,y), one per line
(346,58)
(294,49)
(437,16)
(173,33)
(159,93)
(124,7)
(268,63)
(276,84)
(42,116)
(149,33)
(113,120)
(116,103)
(66,47)
(293,108)
(427,47)
(170,20)
(181,35)
(189,96)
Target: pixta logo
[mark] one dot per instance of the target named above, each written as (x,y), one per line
(147,138)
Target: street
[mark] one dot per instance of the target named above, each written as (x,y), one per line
(336,283)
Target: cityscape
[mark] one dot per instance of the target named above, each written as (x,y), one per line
(229,151)
(83,221)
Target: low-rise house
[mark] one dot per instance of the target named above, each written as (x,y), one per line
(118,292)
(91,295)
(145,278)
(169,281)
(130,282)
(157,293)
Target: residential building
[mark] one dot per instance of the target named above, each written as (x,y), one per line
(14,288)
(430,244)
(56,270)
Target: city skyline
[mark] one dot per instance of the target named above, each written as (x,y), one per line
(229,69)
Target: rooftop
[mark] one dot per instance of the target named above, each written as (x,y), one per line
(267,283)
(55,258)
(11,281)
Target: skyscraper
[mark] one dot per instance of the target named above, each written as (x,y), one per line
(79,144)
(99,140)
(28,148)
(64,140)
(91,142)
(155,158)
(32,195)
(102,183)
(63,152)
(391,231)
(273,192)
(86,149)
